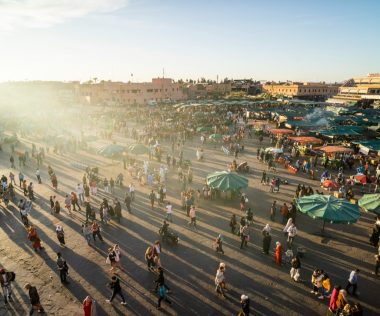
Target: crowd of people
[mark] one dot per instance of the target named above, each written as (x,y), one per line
(97,199)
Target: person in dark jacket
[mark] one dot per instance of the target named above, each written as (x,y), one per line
(128,201)
(244,302)
(117,210)
(62,268)
(116,290)
(267,238)
(34,299)
(160,281)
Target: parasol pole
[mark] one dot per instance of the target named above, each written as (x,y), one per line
(323,227)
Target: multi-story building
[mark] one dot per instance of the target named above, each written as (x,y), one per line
(121,93)
(362,89)
(206,90)
(306,90)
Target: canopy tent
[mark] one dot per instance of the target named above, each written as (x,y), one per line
(274,150)
(342,131)
(216,137)
(111,150)
(329,209)
(304,140)
(224,181)
(370,203)
(281,131)
(138,149)
(368,145)
(204,129)
(335,149)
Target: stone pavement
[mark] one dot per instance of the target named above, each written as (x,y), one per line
(190,266)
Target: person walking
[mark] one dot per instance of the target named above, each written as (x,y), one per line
(96,231)
(278,254)
(34,238)
(116,290)
(273,211)
(193,218)
(34,299)
(112,259)
(292,233)
(132,191)
(267,239)
(295,271)
(264,178)
(38,175)
(21,178)
(162,296)
(87,231)
(244,303)
(60,235)
(352,282)
(89,306)
(284,212)
(74,201)
(62,268)
(80,193)
(149,258)
(6,279)
(219,244)
(244,236)
(152,198)
(160,280)
(377,264)
(233,223)
(220,280)
(128,202)
(117,210)
(169,212)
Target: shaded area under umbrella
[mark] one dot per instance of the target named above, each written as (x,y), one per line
(329,209)
(138,149)
(370,203)
(111,150)
(224,181)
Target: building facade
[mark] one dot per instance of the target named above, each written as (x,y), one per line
(206,90)
(121,93)
(362,89)
(307,90)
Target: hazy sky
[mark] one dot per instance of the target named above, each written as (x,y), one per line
(329,40)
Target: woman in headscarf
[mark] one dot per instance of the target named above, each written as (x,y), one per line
(89,306)
(267,238)
(278,253)
(341,300)
(60,235)
(334,298)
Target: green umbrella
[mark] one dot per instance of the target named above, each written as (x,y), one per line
(370,203)
(224,181)
(138,149)
(216,136)
(329,209)
(111,150)
(204,129)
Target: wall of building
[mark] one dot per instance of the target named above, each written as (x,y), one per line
(121,93)
(302,90)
